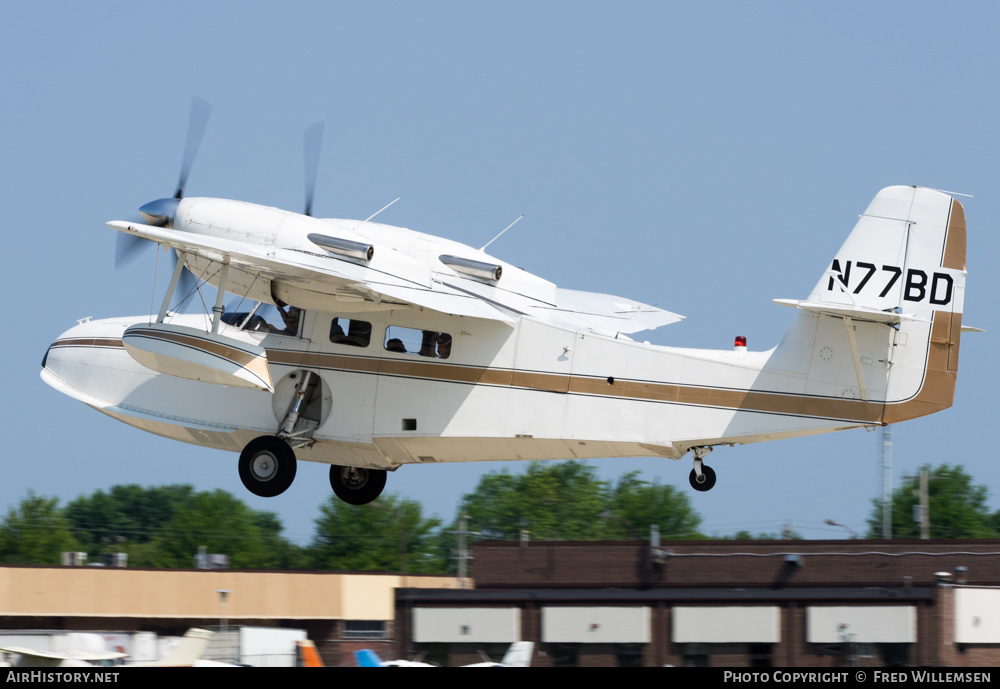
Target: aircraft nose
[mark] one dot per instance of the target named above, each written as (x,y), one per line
(160,212)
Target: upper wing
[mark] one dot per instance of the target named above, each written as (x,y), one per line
(324,274)
(397,278)
(585,311)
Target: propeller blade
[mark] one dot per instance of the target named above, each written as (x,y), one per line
(127,249)
(200,112)
(313,143)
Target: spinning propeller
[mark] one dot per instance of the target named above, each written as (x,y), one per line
(312,142)
(160,213)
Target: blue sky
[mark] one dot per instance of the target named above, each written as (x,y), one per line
(704,157)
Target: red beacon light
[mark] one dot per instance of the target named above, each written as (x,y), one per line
(740,345)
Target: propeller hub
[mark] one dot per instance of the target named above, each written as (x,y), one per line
(161,212)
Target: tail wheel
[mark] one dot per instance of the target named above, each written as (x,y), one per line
(267,466)
(705,482)
(356,485)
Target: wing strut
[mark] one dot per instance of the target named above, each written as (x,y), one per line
(171,287)
(219,307)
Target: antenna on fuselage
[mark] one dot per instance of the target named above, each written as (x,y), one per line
(501,232)
(358,226)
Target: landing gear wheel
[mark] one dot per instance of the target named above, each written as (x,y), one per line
(707,479)
(267,466)
(356,486)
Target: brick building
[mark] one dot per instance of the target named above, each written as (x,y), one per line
(341,611)
(718,603)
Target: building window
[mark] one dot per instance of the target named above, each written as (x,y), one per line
(695,655)
(760,655)
(629,655)
(895,655)
(364,629)
(564,655)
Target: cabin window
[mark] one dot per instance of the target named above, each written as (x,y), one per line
(423,342)
(350,332)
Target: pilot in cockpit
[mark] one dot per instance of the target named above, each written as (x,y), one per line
(291,316)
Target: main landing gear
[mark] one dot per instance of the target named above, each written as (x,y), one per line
(301,403)
(702,477)
(267,466)
(355,485)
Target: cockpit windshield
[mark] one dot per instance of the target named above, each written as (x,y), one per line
(268,318)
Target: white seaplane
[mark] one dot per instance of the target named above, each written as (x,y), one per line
(369,347)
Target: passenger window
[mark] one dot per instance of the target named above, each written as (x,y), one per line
(423,342)
(350,332)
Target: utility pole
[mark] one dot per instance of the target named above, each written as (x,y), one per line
(925,513)
(886,483)
(924,497)
(463,548)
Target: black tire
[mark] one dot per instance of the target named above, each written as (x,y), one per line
(267,466)
(707,481)
(356,486)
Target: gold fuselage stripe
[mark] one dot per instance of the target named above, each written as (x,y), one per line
(723,398)
(936,392)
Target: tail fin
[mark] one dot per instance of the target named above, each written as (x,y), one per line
(519,654)
(367,658)
(308,655)
(898,284)
(906,254)
(189,650)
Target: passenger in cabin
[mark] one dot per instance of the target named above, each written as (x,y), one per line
(395,345)
(443,345)
(359,333)
(428,341)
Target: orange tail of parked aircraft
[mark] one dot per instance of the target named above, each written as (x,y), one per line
(307,654)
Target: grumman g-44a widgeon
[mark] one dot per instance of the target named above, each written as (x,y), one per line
(368,347)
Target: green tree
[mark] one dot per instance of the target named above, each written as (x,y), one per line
(786,535)
(557,500)
(566,501)
(35,533)
(957,507)
(287,555)
(641,504)
(391,534)
(222,524)
(125,519)
(163,526)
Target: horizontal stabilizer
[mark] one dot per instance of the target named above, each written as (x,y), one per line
(858,313)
